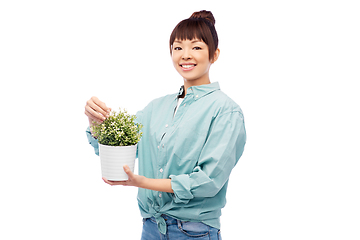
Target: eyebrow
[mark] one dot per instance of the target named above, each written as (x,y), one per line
(194,41)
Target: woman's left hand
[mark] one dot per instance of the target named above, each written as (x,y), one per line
(160,185)
(134,180)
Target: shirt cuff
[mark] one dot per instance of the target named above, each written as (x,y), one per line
(181,186)
(92,141)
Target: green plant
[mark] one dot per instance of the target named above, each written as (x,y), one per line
(119,129)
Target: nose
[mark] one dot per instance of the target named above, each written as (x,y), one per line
(186,55)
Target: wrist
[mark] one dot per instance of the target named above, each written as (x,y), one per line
(161,185)
(142,182)
(92,134)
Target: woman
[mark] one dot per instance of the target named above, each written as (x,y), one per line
(191,141)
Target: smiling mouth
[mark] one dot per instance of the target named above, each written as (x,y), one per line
(187,66)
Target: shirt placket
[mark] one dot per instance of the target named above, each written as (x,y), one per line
(189,98)
(162,147)
(168,128)
(162,152)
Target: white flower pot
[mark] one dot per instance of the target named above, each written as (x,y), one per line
(113,158)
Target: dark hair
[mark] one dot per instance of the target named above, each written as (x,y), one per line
(200,25)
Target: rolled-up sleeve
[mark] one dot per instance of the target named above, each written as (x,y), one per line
(222,150)
(92,141)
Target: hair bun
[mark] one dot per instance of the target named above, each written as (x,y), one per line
(205,15)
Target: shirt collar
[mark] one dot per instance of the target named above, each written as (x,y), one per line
(201,90)
(181,92)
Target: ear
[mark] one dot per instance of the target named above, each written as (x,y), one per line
(216,56)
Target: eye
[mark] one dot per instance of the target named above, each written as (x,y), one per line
(177,48)
(197,48)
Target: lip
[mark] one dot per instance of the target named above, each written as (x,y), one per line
(187,69)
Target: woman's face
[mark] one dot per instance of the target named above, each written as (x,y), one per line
(191,60)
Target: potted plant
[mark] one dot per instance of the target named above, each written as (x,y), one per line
(118,136)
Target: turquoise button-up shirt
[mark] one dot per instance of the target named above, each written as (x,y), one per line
(196,148)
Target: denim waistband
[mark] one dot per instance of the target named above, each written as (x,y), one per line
(189,228)
(169,220)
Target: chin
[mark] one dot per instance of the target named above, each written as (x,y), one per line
(189,78)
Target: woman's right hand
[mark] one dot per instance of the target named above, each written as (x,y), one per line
(96,110)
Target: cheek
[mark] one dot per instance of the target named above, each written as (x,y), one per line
(175,60)
(203,61)
(204,58)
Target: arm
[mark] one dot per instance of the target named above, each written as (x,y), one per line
(161,185)
(96,111)
(222,150)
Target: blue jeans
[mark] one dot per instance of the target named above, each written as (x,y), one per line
(178,230)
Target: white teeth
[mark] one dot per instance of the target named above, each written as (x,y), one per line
(187,66)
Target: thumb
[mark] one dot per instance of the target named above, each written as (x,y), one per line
(127,170)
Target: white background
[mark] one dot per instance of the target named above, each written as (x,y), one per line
(292,66)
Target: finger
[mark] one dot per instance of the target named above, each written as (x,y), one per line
(101,104)
(91,117)
(106,181)
(95,110)
(98,106)
(94,115)
(114,183)
(128,171)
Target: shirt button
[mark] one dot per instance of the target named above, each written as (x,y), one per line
(163,146)
(158,147)
(160,195)
(184,104)
(197,96)
(161,170)
(166,125)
